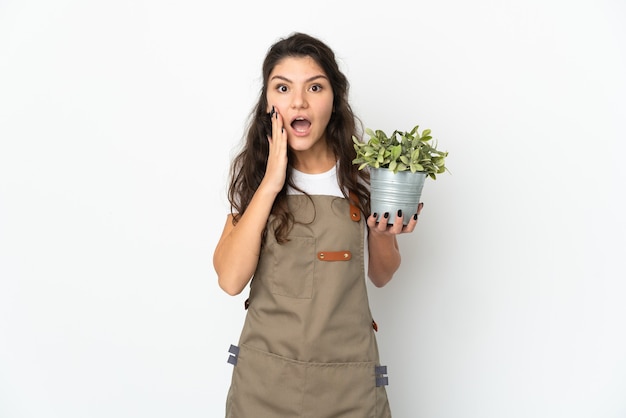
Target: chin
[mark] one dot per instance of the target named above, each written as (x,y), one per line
(299,144)
(300,149)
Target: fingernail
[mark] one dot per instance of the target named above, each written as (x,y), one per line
(272,112)
(386,215)
(282,129)
(399,213)
(415,217)
(375,215)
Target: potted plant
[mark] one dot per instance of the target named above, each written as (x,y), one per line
(399,165)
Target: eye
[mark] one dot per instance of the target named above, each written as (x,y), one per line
(281,88)
(316,87)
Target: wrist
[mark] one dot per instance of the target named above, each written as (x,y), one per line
(266,188)
(381,238)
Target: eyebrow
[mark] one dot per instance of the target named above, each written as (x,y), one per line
(308,80)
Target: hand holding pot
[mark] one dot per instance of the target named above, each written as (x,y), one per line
(377,224)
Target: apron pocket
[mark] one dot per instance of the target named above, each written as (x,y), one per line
(292,276)
(265,385)
(341,390)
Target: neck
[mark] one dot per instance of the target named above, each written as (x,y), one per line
(314,164)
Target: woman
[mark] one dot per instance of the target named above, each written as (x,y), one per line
(297,233)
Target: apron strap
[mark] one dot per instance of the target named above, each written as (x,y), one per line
(355,213)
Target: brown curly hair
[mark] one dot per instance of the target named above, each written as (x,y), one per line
(249,165)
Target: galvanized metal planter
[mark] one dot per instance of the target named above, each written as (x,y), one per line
(391,191)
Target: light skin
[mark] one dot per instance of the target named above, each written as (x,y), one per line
(300,97)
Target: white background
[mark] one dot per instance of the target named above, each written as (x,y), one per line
(118,120)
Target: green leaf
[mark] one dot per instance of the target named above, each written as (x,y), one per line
(395,152)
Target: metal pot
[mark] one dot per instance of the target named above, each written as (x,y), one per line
(391,191)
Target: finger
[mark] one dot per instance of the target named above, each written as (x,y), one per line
(371,220)
(278,130)
(419,208)
(278,138)
(410,226)
(382,225)
(279,134)
(397,225)
(270,135)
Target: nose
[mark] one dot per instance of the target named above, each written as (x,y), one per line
(298,100)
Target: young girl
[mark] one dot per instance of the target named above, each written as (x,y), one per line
(296,233)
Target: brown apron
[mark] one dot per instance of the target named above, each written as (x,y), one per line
(308,349)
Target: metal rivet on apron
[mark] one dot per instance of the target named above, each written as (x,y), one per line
(322,256)
(346,255)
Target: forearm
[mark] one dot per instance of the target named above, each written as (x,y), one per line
(384,258)
(237,253)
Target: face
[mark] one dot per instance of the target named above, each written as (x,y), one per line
(300,90)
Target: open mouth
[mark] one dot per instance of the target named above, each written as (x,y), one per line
(300,125)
